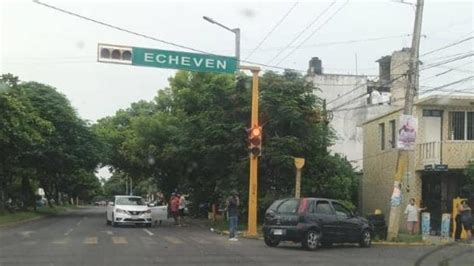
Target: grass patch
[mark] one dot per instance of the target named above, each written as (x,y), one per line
(7,218)
(406,238)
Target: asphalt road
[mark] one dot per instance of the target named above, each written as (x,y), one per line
(82,238)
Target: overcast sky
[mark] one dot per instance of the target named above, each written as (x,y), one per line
(44,45)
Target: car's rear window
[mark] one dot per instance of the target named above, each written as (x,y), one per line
(274,205)
(130,201)
(288,206)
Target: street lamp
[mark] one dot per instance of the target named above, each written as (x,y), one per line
(236,31)
(253,177)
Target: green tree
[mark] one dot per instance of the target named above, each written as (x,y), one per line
(192,137)
(44,144)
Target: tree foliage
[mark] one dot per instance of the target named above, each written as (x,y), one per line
(44,144)
(192,137)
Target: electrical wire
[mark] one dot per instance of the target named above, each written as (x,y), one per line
(272,30)
(302,32)
(314,32)
(436,64)
(449,84)
(154,38)
(447,46)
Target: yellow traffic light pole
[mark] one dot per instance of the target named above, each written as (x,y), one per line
(253,184)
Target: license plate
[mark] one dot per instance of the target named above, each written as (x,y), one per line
(278,232)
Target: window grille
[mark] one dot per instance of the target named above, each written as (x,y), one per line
(457,125)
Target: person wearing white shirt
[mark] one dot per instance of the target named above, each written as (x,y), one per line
(412,216)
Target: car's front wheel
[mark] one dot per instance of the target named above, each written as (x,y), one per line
(107,222)
(365,239)
(311,240)
(114,224)
(271,242)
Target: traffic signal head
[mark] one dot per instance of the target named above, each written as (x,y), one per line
(114,54)
(255,140)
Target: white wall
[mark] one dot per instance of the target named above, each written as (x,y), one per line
(344,92)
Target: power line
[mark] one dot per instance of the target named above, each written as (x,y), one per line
(449,84)
(354,89)
(357,107)
(314,32)
(447,46)
(153,38)
(436,64)
(448,71)
(272,30)
(302,32)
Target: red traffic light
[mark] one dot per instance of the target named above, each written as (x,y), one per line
(255,139)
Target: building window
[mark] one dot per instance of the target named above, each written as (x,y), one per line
(392,134)
(382,136)
(461,125)
(435,113)
(470,125)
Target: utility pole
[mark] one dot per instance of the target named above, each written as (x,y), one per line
(253,177)
(412,88)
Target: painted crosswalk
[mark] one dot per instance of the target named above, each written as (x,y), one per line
(122,240)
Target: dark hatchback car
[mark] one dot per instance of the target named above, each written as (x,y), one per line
(314,222)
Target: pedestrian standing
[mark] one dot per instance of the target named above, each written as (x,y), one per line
(412,216)
(233,203)
(174,207)
(465,218)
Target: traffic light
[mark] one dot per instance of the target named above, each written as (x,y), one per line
(114,54)
(255,140)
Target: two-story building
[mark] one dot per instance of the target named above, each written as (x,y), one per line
(444,147)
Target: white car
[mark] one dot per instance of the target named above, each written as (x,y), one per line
(128,210)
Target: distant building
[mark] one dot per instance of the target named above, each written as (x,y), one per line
(351,99)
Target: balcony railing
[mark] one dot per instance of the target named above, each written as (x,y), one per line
(429,153)
(456,154)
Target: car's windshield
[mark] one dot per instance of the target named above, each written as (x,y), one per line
(129,201)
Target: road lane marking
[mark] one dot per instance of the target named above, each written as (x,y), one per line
(119,240)
(26,234)
(173,240)
(148,232)
(68,232)
(200,240)
(90,240)
(108,232)
(61,241)
(78,223)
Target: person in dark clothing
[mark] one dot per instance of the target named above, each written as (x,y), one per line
(457,233)
(465,218)
(233,203)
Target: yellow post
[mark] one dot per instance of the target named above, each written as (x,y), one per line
(252,211)
(299,163)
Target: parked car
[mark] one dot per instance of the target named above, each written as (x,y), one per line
(314,222)
(128,210)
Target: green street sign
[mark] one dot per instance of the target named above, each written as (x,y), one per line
(166,59)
